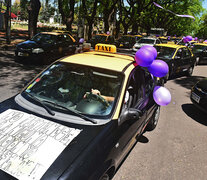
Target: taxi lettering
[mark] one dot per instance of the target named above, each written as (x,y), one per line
(105,48)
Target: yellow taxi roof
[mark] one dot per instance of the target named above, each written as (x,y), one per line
(111,61)
(171,45)
(202,44)
(52,33)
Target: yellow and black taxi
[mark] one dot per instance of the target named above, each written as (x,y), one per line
(127,41)
(200,52)
(180,59)
(45,46)
(101,38)
(78,118)
(199,95)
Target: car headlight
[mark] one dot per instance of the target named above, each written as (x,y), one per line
(37,50)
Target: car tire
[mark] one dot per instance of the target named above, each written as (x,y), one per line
(154,120)
(190,71)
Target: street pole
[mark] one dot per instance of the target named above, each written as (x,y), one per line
(8,22)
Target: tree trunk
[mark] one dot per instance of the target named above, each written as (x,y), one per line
(66,9)
(135,28)
(33,11)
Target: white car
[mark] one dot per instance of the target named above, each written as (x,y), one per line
(145,41)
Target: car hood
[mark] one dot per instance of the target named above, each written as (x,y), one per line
(202,84)
(36,146)
(28,44)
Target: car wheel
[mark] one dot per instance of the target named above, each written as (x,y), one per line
(154,120)
(190,71)
(105,177)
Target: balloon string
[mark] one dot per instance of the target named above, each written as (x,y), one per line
(179,15)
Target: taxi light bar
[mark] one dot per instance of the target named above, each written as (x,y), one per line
(105,48)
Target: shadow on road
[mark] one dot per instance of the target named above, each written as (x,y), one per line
(195,113)
(188,82)
(14,75)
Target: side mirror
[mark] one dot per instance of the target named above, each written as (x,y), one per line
(129,114)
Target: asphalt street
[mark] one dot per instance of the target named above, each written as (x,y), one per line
(175,150)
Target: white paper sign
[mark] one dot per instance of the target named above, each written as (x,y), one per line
(29,144)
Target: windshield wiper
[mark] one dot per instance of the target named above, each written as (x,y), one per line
(74,112)
(40,102)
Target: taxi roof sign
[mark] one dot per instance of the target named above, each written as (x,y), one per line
(105,48)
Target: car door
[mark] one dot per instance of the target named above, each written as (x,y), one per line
(134,98)
(177,63)
(187,59)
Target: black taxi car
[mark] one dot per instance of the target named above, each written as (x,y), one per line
(46,46)
(127,41)
(77,119)
(200,52)
(199,95)
(179,58)
(101,38)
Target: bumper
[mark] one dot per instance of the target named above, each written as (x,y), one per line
(199,101)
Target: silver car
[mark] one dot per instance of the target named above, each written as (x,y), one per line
(145,41)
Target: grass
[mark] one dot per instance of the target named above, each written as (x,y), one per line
(19,26)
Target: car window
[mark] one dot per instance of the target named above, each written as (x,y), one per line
(135,89)
(180,53)
(67,38)
(165,52)
(70,85)
(186,53)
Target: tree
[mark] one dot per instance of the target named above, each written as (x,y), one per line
(46,11)
(66,8)
(23,9)
(33,11)
(89,9)
(16,7)
(109,11)
(202,30)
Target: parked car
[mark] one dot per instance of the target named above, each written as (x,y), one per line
(77,119)
(199,95)
(180,59)
(45,47)
(101,38)
(145,41)
(200,52)
(127,41)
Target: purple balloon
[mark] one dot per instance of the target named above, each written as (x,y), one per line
(81,40)
(185,40)
(189,38)
(107,32)
(195,38)
(158,68)
(144,57)
(150,48)
(161,95)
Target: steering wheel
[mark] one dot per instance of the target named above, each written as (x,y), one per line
(99,98)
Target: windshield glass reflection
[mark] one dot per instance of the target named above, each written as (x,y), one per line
(87,90)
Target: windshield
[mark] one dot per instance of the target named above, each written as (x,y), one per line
(146,41)
(99,38)
(48,38)
(73,87)
(198,48)
(126,38)
(165,52)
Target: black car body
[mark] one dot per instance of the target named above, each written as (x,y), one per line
(200,52)
(179,58)
(57,129)
(45,46)
(199,95)
(101,38)
(127,41)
